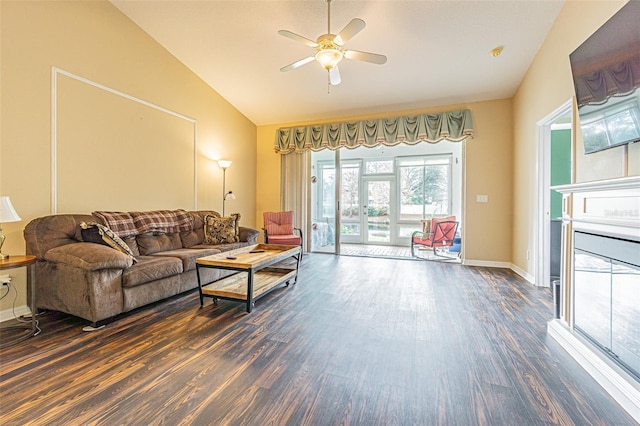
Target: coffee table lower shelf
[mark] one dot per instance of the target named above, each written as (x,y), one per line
(235,286)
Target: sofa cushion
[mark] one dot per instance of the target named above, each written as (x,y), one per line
(196,235)
(188,256)
(90,257)
(153,242)
(221,230)
(151,268)
(96,233)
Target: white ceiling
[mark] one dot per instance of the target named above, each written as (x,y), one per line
(438,51)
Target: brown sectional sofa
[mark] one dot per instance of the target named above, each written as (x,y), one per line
(96,282)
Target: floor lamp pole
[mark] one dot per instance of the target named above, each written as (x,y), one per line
(224,188)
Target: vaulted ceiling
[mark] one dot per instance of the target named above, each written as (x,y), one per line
(438,51)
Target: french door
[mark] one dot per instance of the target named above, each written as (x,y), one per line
(377,218)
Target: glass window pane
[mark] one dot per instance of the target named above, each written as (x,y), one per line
(411,193)
(352,229)
(378,224)
(436,190)
(350,192)
(328,192)
(379,166)
(405,231)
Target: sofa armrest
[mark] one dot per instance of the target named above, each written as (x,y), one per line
(89,256)
(248,235)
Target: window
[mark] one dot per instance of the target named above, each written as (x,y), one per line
(376,167)
(425,187)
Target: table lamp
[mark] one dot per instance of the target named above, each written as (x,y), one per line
(7,214)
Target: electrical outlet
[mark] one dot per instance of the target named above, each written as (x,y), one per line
(5,280)
(528,255)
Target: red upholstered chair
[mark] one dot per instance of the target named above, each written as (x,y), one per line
(279,229)
(441,234)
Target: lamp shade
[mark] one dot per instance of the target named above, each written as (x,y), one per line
(329,58)
(7,212)
(224,164)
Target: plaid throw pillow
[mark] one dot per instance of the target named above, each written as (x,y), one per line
(221,230)
(107,236)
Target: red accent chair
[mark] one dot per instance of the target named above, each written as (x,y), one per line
(279,229)
(441,234)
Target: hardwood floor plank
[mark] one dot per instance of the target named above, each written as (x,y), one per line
(357,341)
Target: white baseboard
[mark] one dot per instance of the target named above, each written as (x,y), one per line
(486,263)
(489,264)
(8,314)
(616,381)
(524,274)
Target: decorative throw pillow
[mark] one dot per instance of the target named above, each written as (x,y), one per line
(221,230)
(97,233)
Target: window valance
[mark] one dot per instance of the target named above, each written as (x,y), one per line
(432,128)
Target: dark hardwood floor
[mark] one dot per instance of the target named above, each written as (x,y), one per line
(358,341)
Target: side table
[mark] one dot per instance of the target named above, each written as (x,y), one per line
(18,262)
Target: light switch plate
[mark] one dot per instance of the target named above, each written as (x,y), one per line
(482,198)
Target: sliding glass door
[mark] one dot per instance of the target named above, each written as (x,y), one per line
(380,196)
(324,191)
(351,210)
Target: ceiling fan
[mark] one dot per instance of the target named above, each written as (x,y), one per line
(330,48)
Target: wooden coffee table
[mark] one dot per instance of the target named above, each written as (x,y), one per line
(256,276)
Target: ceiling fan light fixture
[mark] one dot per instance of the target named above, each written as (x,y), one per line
(329,58)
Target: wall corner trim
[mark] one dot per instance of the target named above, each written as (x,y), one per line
(524,274)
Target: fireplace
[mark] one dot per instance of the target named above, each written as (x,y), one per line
(599,322)
(606,301)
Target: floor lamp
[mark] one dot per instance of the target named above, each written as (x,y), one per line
(224,165)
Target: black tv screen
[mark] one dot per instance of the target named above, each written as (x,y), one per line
(606,79)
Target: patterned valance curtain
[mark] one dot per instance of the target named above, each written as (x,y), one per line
(617,80)
(432,128)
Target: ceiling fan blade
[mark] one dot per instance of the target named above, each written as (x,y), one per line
(334,76)
(297,64)
(374,58)
(299,38)
(352,28)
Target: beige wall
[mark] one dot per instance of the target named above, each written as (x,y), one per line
(546,86)
(97,42)
(488,157)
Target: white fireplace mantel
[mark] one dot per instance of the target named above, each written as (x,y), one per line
(609,208)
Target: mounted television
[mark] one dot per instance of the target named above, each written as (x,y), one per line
(606,79)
